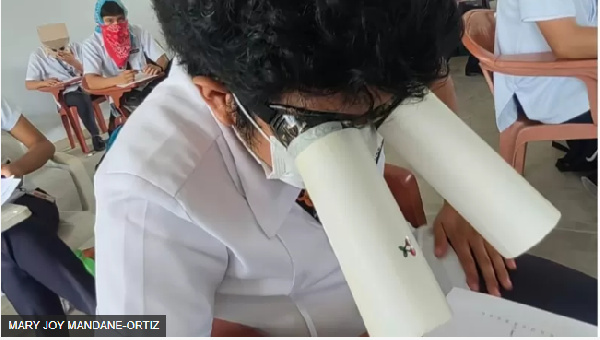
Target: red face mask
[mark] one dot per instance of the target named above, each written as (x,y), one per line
(117,42)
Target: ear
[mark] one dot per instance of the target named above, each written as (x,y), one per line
(218,98)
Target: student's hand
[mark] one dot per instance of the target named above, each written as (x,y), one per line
(10,170)
(67,57)
(126,77)
(152,70)
(471,247)
(51,82)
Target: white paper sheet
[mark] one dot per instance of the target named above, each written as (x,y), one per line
(139,77)
(508,212)
(482,315)
(8,187)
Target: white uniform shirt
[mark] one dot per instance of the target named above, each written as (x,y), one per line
(97,61)
(42,67)
(551,100)
(187,225)
(10,117)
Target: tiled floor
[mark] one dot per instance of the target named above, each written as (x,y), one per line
(574,242)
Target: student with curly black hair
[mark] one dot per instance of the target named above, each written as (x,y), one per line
(207,220)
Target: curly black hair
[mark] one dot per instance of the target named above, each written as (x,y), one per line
(260,49)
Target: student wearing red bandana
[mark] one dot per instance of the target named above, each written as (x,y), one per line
(118,50)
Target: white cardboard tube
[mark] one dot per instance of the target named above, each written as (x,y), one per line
(396,295)
(498,202)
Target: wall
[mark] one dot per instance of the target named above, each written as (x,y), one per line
(19,38)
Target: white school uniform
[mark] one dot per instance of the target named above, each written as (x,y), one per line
(42,67)
(551,100)
(97,61)
(10,117)
(187,225)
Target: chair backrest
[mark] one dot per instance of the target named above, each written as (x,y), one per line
(479,39)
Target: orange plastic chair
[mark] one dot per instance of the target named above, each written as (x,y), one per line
(404,188)
(70,117)
(116,94)
(480,27)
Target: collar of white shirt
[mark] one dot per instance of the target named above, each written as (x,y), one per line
(269,200)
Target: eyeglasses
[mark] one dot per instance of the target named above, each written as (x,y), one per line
(288,122)
(59,49)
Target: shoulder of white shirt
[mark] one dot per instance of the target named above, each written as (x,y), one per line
(167,138)
(38,53)
(10,115)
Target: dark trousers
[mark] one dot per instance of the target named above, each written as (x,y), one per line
(131,100)
(38,267)
(554,288)
(580,148)
(134,98)
(85,109)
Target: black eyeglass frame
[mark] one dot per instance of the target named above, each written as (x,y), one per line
(288,122)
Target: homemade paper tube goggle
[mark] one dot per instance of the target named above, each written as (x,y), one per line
(391,282)
(54,38)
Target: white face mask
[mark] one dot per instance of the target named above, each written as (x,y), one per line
(283,165)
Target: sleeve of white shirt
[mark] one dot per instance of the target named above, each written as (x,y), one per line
(150,46)
(151,260)
(77,51)
(35,71)
(92,61)
(10,116)
(536,10)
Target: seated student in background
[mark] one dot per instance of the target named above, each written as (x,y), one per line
(118,50)
(60,62)
(210,223)
(568,28)
(37,266)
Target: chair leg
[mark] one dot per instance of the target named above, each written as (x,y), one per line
(508,139)
(100,118)
(65,122)
(74,118)
(120,121)
(519,159)
(123,111)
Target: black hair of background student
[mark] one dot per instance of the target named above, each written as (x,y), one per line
(111,9)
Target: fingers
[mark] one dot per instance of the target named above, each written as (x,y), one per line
(511,264)
(441,240)
(129,76)
(6,171)
(52,82)
(499,266)
(486,265)
(150,70)
(463,252)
